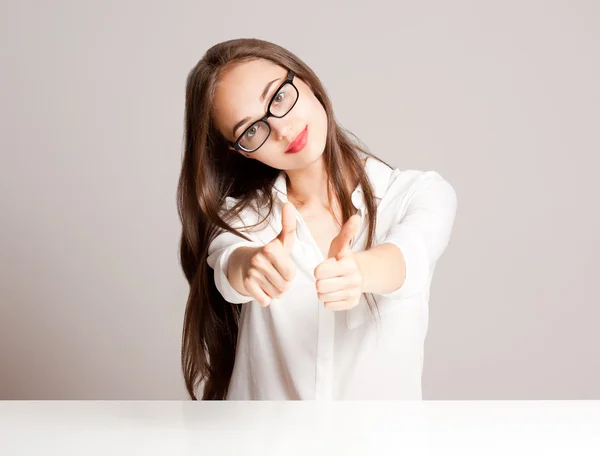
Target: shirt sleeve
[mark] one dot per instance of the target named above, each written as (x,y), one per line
(219,252)
(423,233)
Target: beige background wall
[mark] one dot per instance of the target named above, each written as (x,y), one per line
(501,98)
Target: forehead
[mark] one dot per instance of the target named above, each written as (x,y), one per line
(238,90)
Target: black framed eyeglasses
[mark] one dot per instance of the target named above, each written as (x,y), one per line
(281,103)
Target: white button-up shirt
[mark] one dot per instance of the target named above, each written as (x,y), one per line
(297,349)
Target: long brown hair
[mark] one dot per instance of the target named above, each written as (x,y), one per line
(211,172)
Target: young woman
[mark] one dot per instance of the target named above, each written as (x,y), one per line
(309,260)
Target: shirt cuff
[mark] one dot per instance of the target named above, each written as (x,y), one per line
(414,251)
(222,283)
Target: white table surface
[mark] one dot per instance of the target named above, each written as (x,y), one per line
(290,428)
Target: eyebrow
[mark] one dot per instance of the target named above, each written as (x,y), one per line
(262,98)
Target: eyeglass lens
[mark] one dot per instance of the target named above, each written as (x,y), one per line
(257,133)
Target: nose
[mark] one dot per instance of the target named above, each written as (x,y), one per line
(280,127)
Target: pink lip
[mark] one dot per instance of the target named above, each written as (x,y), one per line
(299,142)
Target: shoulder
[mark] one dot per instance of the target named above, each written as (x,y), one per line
(401,185)
(410,180)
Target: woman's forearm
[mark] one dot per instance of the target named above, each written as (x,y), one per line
(383,268)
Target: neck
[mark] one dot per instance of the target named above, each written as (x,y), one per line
(308,186)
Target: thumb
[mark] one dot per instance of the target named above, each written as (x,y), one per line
(288,226)
(341,243)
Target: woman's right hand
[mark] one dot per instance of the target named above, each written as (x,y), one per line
(269,270)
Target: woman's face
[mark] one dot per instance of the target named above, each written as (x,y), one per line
(237,97)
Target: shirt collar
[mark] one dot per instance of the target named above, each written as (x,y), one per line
(377,172)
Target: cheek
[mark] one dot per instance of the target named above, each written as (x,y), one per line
(311,112)
(318,122)
(315,112)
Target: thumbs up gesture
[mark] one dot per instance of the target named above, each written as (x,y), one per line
(269,271)
(339,278)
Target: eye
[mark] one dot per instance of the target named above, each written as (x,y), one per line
(279,97)
(251,132)
(254,130)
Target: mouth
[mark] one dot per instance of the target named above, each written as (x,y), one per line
(299,142)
